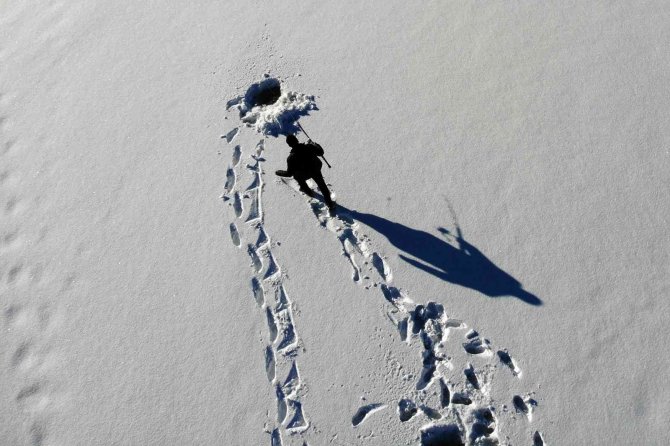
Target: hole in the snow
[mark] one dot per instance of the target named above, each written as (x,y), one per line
(270,109)
(265,92)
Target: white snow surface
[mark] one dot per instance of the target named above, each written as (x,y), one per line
(497,273)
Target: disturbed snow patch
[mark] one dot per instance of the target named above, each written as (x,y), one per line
(271,111)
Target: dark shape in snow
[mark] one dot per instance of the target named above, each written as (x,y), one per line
(464,265)
(442,435)
(406,409)
(265,92)
(363,412)
(269,110)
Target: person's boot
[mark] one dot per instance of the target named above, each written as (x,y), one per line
(332,208)
(283,173)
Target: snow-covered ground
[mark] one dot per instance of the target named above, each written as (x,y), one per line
(498,271)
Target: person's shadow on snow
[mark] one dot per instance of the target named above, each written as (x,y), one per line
(464,265)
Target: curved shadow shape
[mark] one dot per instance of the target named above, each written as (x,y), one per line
(465,266)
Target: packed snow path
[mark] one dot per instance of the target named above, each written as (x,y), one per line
(466,412)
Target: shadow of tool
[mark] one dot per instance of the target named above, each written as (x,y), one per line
(464,265)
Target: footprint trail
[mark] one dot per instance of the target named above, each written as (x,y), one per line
(471,409)
(458,364)
(267,288)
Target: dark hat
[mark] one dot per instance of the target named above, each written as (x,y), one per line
(291,140)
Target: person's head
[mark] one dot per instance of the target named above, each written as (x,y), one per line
(291,140)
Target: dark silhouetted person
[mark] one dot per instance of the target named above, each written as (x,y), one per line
(303,163)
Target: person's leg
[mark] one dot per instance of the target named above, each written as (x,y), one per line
(302,182)
(318,179)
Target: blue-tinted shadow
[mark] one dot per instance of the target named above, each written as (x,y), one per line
(464,265)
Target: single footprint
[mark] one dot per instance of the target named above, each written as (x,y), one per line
(478,346)
(292,382)
(234,235)
(255,210)
(272,325)
(270,366)
(230,135)
(260,146)
(298,422)
(382,267)
(430,412)
(406,409)
(445,394)
(255,260)
(263,238)
(524,405)
(288,332)
(14,273)
(237,153)
(237,205)
(364,411)
(275,438)
(506,359)
(281,404)
(484,427)
(441,435)
(257,290)
(350,253)
(462,399)
(281,299)
(256,183)
(273,269)
(471,376)
(38,433)
(23,356)
(402,329)
(28,392)
(230,180)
